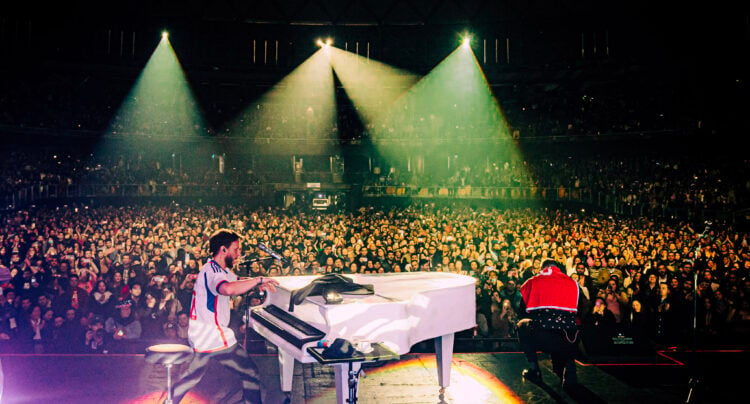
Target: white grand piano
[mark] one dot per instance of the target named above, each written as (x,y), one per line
(406,308)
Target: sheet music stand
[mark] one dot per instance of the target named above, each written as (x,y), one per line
(347,369)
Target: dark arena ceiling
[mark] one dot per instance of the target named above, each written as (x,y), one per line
(567,45)
(415,34)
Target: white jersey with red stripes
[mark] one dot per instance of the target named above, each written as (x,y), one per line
(209,312)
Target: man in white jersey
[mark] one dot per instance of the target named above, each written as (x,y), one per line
(209,333)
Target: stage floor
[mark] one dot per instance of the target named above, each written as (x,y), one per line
(475,378)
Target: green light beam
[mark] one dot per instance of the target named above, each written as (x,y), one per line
(301,107)
(161,102)
(371,85)
(159,123)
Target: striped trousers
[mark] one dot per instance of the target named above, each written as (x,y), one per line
(235,358)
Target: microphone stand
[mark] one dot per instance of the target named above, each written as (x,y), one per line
(694,378)
(273,254)
(246,301)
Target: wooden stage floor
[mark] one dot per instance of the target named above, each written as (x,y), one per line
(475,378)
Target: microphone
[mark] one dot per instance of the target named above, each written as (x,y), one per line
(270,252)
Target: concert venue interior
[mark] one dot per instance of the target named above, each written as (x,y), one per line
(433,152)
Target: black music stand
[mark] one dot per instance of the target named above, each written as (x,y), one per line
(379,352)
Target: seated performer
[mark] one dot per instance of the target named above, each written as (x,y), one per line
(209,333)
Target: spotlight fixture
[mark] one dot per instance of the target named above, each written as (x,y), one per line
(328,42)
(466,42)
(164,36)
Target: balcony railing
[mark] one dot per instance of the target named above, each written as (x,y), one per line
(586,197)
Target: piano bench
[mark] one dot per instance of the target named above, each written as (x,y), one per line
(168,355)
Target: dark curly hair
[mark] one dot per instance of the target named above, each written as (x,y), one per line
(222,238)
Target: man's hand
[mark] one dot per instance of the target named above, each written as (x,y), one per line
(523,322)
(268,285)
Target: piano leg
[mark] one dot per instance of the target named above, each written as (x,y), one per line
(344,380)
(444,356)
(286,370)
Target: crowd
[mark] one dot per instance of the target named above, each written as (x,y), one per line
(105,174)
(106,279)
(627,101)
(656,181)
(653,180)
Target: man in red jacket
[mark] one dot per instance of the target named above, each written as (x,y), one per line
(550,304)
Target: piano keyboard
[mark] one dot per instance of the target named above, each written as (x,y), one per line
(285,325)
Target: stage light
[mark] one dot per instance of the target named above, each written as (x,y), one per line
(325,44)
(162,101)
(466,42)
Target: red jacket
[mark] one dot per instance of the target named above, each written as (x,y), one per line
(550,289)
